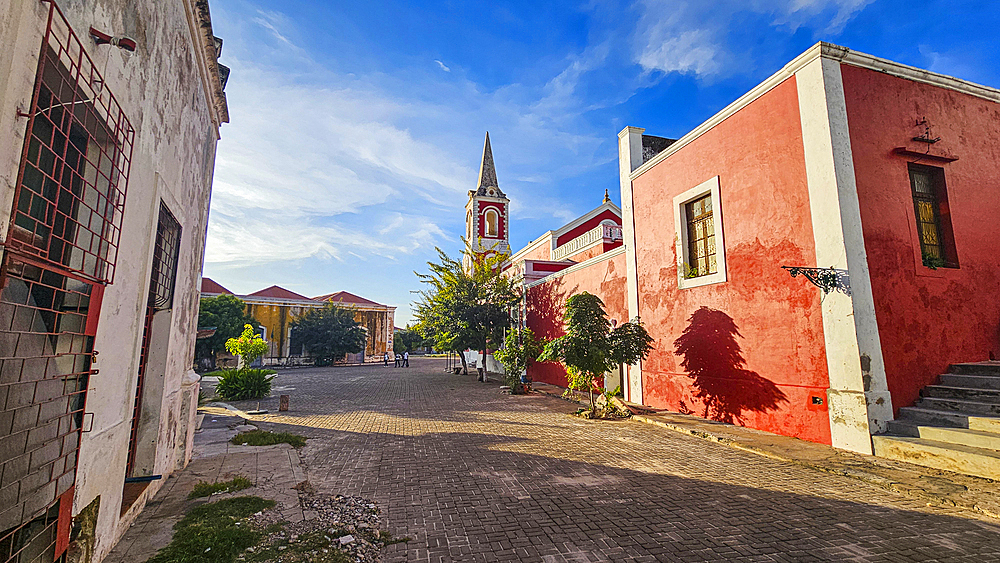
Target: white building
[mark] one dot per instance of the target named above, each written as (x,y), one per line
(113,111)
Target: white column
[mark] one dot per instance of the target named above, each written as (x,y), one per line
(630,158)
(858,397)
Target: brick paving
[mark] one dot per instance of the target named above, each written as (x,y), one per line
(472,475)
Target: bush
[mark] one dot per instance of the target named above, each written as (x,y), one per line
(244,383)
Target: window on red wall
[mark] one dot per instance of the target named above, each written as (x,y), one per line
(933,215)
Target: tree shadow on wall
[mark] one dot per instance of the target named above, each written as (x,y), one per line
(714,360)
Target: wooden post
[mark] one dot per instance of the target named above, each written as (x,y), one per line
(283,403)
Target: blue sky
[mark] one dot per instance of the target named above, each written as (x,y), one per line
(357,127)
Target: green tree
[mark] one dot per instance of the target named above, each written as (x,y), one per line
(228,314)
(590,348)
(248,346)
(330,333)
(466,308)
(520,349)
(408,340)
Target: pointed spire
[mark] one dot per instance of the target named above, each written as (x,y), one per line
(606,198)
(488,171)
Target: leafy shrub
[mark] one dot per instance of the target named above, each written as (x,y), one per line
(244,383)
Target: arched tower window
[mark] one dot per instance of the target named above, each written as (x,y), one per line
(468,225)
(492,222)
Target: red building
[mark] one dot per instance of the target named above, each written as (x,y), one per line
(874,180)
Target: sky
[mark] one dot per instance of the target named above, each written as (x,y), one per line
(357,128)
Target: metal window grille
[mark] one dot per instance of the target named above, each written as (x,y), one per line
(164,273)
(162,280)
(701,237)
(74,169)
(46,349)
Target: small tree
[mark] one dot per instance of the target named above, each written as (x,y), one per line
(520,349)
(590,348)
(408,340)
(330,333)
(227,314)
(466,307)
(249,346)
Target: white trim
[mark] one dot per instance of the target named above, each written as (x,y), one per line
(834,53)
(630,158)
(547,237)
(858,399)
(578,266)
(609,206)
(708,187)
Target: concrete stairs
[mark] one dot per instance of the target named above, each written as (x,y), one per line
(954,426)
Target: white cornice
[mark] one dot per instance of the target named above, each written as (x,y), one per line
(575,267)
(200,26)
(547,237)
(829,51)
(586,217)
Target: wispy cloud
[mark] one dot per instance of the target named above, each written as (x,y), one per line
(442,65)
(694,37)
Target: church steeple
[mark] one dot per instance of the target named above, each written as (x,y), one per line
(488,173)
(487,214)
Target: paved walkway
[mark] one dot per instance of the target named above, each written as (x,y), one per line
(472,475)
(274,470)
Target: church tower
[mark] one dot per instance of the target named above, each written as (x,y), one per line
(487,214)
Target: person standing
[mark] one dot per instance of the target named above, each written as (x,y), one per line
(397,360)
(385,359)
(406,359)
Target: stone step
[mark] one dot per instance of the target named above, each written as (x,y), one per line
(975,368)
(986,424)
(971,381)
(939,455)
(971,408)
(963,436)
(929,417)
(962,393)
(903,428)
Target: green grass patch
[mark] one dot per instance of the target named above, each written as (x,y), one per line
(210,534)
(265,438)
(205,489)
(307,548)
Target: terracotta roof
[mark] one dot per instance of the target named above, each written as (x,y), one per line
(209,286)
(276,292)
(343,296)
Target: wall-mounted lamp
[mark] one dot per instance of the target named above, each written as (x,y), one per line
(102,38)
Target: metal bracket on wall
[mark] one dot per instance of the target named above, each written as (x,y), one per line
(827,279)
(84,427)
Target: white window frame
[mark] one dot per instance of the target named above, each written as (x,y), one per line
(708,187)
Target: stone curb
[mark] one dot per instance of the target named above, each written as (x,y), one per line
(945,488)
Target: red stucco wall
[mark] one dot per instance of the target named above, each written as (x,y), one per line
(758,155)
(546,302)
(927,319)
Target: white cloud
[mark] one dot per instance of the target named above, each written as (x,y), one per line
(691,37)
(442,65)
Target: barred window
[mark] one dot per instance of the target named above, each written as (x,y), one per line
(930,205)
(71,188)
(164,273)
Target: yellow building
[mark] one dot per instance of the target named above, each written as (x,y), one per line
(275,308)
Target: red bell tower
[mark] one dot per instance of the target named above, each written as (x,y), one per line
(487,214)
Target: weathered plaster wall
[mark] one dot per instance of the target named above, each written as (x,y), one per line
(774,320)
(605,278)
(162,93)
(926,318)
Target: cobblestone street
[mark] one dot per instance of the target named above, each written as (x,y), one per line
(473,475)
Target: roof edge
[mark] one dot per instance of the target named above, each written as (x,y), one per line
(830,51)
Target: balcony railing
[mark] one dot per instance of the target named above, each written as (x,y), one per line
(605,233)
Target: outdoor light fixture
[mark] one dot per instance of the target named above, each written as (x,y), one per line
(123,42)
